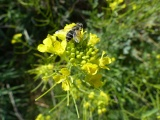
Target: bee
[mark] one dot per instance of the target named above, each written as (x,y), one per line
(74,33)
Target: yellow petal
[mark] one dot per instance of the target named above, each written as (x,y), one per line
(58,78)
(103,61)
(104,96)
(113,5)
(47,41)
(93,39)
(90,68)
(18,35)
(42,48)
(61,34)
(59,47)
(94,80)
(69,26)
(65,85)
(16,38)
(120,1)
(65,71)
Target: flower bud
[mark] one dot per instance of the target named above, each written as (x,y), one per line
(92,58)
(93,53)
(83,62)
(72,49)
(104,110)
(68,48)
(91,95)
(96,50)
(78,56)
(72,55)
(99,111)
(72,60)
(77,52)
(81,53)
(86,104)
(84,57)
(89,52)
(67,52)
(100,103)
(87,57)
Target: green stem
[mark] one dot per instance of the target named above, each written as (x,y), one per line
(46,92)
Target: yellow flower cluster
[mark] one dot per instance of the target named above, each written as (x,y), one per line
(43,72)
(97,100)
(115,3)
(52,45)
(17,38)
(79,68)
(82,55)
(42,117)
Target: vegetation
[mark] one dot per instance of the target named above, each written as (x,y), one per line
(112,73)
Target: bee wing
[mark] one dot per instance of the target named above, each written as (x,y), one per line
(76,36)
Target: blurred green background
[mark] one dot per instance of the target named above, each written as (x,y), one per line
(129,32)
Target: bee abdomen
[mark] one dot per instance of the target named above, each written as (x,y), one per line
(69,35)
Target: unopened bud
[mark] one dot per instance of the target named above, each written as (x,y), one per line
(83,62)
(72,60)
(72,55)
(78,56)
(73,50)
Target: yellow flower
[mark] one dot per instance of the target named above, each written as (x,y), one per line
(65,85)
(86,105)
(39,117)
(158,56)
(100,111)
(52,45)
(65,71)
(104,97)
(104,110)
(93,39)
(16,38)
(63,78)
(59,78)
(113,59)
(123,6)
(42,117)
(91,95)
(90,68)
(43,71)
(103,61)
(69,26)
(113,5)
(134,6)
(94,80)
(120,1)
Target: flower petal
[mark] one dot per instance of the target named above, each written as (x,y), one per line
(90,68)
(65,85)
(103,61)
(94,80)
(93,39)
(42,48)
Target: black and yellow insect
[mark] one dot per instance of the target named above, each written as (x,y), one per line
(73,33)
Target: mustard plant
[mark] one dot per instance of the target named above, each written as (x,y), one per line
(78,68)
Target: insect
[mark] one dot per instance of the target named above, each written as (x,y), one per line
(74,33)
